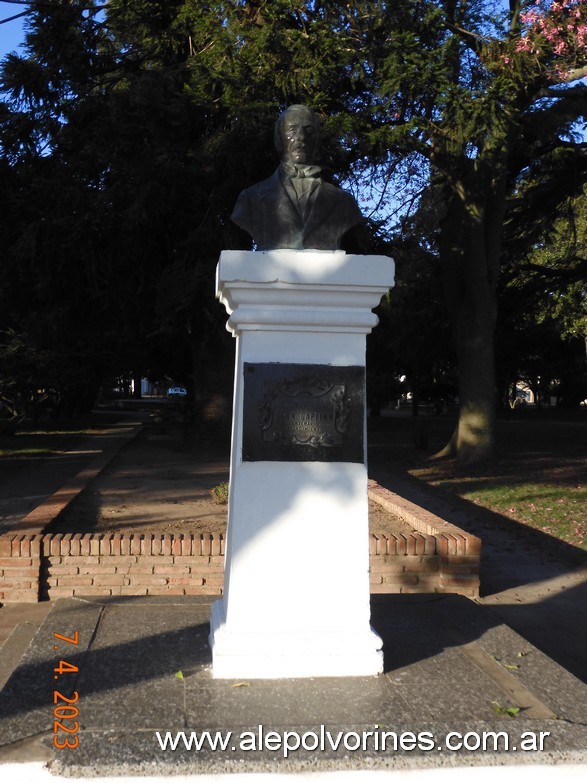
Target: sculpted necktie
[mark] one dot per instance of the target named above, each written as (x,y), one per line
(304,180)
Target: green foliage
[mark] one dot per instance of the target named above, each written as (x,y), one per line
(128,131)
(220,493)
(511,712)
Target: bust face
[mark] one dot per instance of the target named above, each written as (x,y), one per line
(299,136)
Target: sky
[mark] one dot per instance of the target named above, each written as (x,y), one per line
(11,33)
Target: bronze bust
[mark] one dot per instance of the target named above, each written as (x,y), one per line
(295,208)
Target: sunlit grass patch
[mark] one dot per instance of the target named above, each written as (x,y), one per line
(556,508)
(52,433)
(26,452)
(560,511)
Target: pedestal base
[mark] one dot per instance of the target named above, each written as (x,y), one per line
(263,654)
(296,577)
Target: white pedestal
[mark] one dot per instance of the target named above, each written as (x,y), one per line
(296,594)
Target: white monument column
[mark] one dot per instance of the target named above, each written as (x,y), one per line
(296,589)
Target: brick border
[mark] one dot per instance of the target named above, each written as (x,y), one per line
(77,565)
(439,557)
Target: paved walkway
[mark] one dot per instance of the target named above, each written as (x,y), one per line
(451,665)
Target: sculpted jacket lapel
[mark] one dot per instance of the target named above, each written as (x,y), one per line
(281,202)
(324,204)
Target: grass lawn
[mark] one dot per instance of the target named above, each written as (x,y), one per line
(539,476)
(46,440)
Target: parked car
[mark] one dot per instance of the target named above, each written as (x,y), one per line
(176,391)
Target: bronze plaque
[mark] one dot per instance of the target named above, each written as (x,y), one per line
(303,413)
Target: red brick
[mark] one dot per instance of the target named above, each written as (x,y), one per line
(74,545)
(401,544)
(461,544)
(215,590)
(5,546)
(181,580)
(207,569)
(79,561)
(122,559)
(63,570)
(205,544)
(170,569)
(111,580)
(474,545)
(411,545)
(166,545)
(454,580)
(27,571)
(131,590)
(84,545)
(16,546)
(15,561)
(20,596)
(464,560)
(19,583)
(73,580)
(381,564)
(214,580)
(161,591)
(426,564)
(406,579)
(135,545)
(384,588)
(147,579)
(81,591)
(36,542)
(455,568)
(215,545)
(176,545)
(59,592)
(139,568)
(101,568)
(55,544)
(442,545)
(66,544)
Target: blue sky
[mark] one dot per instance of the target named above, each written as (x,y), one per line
(11,33)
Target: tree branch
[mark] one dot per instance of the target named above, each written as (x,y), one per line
(580,91)
(572,76)
(472,40)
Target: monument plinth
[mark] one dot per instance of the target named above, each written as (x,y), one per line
(296,593)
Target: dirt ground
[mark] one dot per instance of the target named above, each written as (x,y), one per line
(156,486)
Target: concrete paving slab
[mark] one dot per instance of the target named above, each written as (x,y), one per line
(279,703)
(26,699)
(130,651)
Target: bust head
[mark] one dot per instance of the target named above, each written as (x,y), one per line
(297,133)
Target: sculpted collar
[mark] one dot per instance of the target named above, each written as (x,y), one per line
(294,171)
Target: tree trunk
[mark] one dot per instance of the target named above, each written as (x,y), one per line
(468,258)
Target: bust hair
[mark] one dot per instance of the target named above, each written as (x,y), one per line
(278,141)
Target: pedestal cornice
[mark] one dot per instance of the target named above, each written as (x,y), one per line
(284,290)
